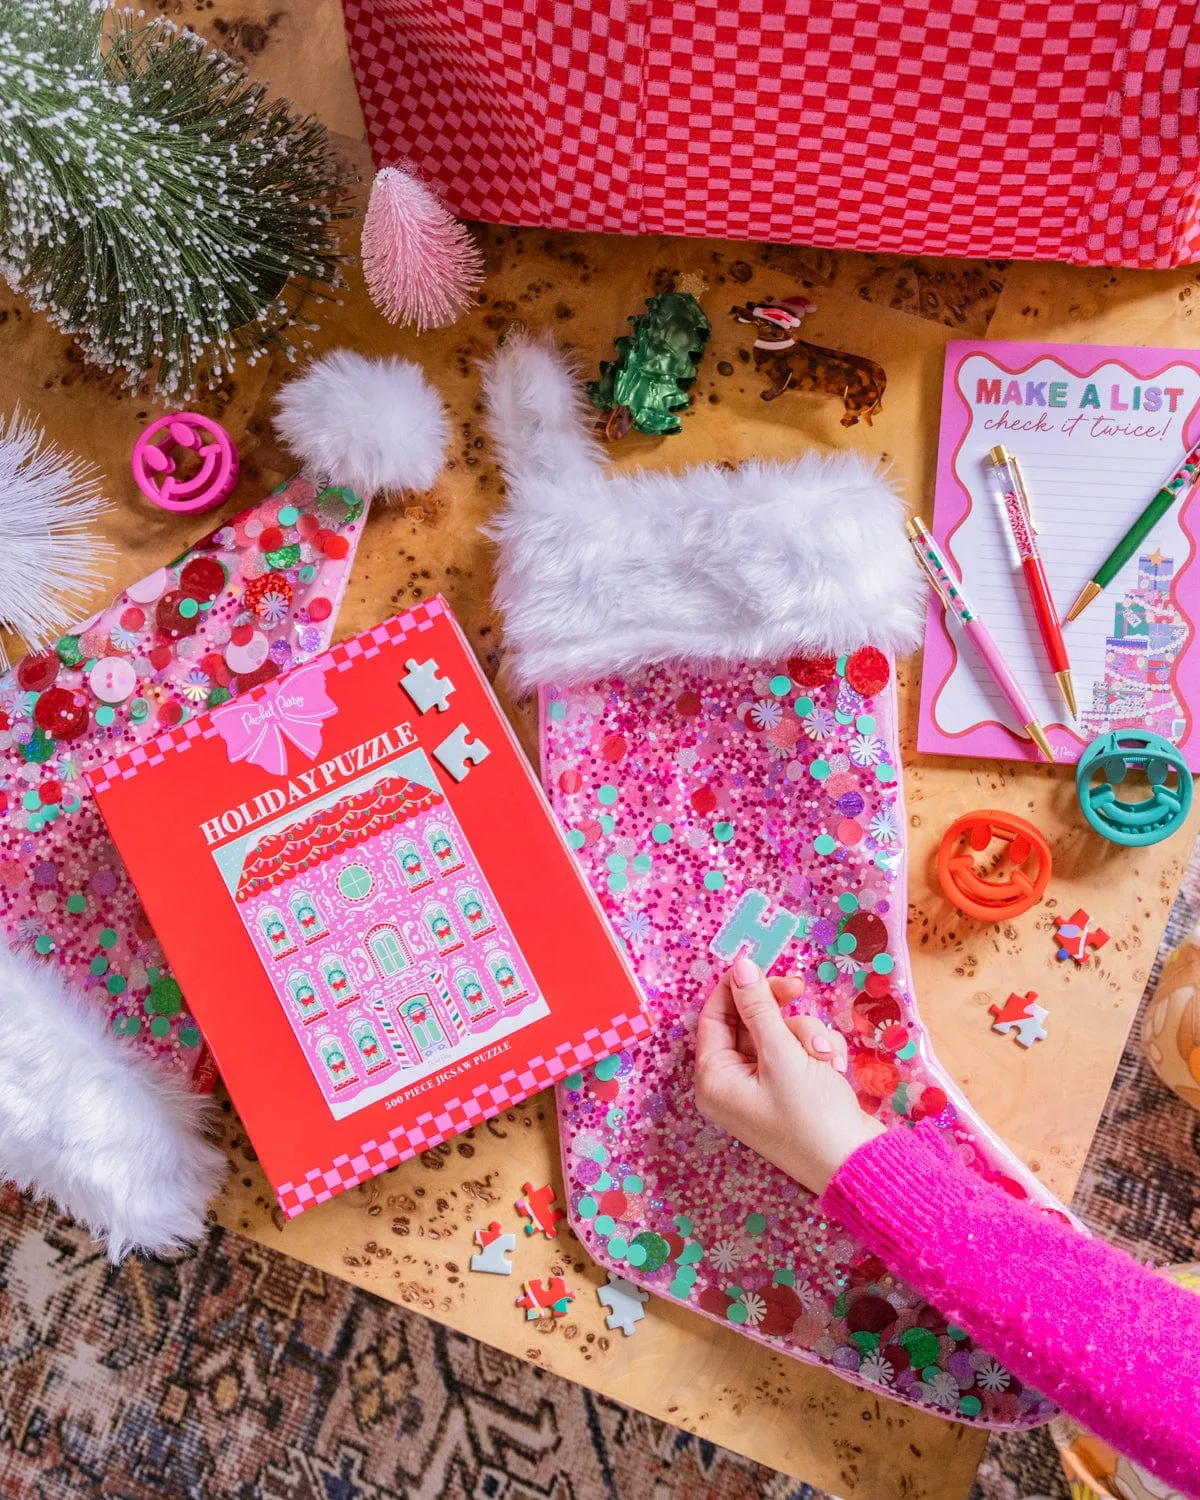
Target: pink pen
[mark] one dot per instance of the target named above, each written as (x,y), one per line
(950,591)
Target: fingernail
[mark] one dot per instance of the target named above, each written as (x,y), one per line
(745,971)
(839,1063)
(820,1044)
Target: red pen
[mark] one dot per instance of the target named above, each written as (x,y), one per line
(1008,489)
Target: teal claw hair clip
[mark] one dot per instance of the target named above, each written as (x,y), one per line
(1125,821)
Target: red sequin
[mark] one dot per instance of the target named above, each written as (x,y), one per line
(868,671)
(570,781)
(161,658)
(133,618)
(170,713)
(36,673)
(333,545)
(688,705)
(261,674)
(811,671)
(50,791)
(241,635)
(203,578)
(170,621)
(704,800)
(270,539)
(319,609)
(614,747)
(62,714)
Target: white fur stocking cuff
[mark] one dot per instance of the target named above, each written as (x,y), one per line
(602,574)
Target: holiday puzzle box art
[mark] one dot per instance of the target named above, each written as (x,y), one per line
(368,905)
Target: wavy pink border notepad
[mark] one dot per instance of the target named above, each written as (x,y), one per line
(1097,430)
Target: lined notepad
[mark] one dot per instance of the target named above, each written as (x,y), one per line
(1096,432)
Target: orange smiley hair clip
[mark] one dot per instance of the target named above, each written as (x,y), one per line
(993,900)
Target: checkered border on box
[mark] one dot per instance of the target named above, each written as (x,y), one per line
(1058,130)
(457,1115)
(341,657)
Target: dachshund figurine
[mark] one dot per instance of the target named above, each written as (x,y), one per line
(791,364)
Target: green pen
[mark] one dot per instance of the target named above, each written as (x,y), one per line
(1178,484)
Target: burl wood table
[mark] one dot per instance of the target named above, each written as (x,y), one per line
(406,1236)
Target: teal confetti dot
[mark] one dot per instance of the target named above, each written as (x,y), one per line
(714,881)
(909,1050)
(970,1406)
(597,1153)
(71,804)
(605,1224)
(784,1276)
(687,1274)
(848,902)
(841,665)
(607,1067)
(736,1312)
(576,839)
(160,1026)
(99,965)
(31,801)
(588,1207)
(883,963)
(131,1025)
(307,573)
(804,706)
(661,833)
(636,1255)
(288,515)
(824,843)
(956,1333)
(827,972)
(616,862)
(44,944)
(115,984)
(847,943)
(607,823)
(106,714)
(865,724)
(50,811)
(557,710)
(642,864)
(756,1223)
(108,938)
(189,608)
(76,902)
(603,1182)
(617,881)
(819,769)
(723,832)
(860,979)
(607,795)
(781,686)
(573,1081)
(843,717)
(35,822)
(680,1287)
(139,710)
(885,773)
(632,1184)
(618,1246)
(690,1254)
(189,1036)
(683,1224)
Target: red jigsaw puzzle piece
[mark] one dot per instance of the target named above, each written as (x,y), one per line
(553,1299)
(538,1207)
(484,1237)
(1078,938)
(1015,1008)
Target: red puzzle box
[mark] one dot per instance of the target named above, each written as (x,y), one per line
(370,908)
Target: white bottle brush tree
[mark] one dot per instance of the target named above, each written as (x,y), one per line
(153,201)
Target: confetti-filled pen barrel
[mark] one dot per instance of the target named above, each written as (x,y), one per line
(1008,489)
(949,588)
(1179,484)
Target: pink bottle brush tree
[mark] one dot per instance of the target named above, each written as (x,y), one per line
(421,265)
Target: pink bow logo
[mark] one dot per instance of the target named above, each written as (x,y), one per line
(291,709)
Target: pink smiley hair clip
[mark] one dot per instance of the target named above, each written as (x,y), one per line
(155,468)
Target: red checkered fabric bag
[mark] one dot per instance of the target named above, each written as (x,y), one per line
(1063,130)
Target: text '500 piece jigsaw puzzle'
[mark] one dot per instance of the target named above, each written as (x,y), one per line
(377,961)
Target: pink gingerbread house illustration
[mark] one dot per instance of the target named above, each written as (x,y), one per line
(383,940)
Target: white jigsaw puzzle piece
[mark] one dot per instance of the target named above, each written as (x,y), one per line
(458,752)
(493,1258)
(1029,1028)
(426,689)
(625,1303)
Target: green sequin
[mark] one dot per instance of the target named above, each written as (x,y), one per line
(218,696)
(165,997)
(38,749)
(284,557)
(657,1250)
(69,652)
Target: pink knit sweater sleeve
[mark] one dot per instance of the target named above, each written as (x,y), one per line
(1114,1344)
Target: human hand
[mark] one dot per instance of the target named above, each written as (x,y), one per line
(777,1083)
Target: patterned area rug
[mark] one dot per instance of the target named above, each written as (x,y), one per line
(239,1374)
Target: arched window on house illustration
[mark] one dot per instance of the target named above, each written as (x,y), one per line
(308,914)
(444,849)
(303,992)
(422,1024)
(371,1048)
(472,994)
(417,873)
(339,980)
(437,922)
(387,950)
(279,940)
(339,1067)
(474,911)
(508,980)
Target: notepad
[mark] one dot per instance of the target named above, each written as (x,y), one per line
(1097,431)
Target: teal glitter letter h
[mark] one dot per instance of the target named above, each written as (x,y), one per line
(746,924)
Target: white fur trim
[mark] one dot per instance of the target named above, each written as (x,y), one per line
(84,1119)
(372,424)
(600,575)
